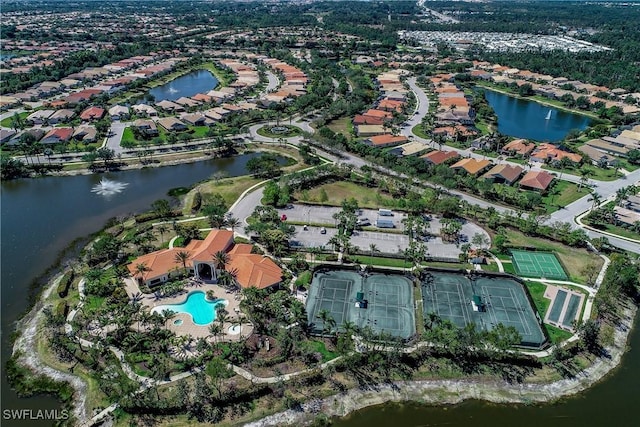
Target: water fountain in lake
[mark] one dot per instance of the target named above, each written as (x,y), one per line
(108,188)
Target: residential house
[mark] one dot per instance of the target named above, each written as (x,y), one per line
(518,147)
(92,113)
(186,102)
(39,117)
(537,181)
(6,135)
(61,116)
(598,158)
(119,112)
(608,147)
(146,127)
(144,110)
(471,166)
(546,152)
(57,136)
(438,157)
(170,106)
(386,140)
(253,270)
(172,124)
(409,149)
(196,119)
(86,134)
(360,119)
(371,130)
(504,173)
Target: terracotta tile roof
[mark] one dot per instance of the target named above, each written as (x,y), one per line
(439,157)
(519,146)
(255,270)
(360,119)
(378,113)
(252,269)
(381,140)
(471,166)
(547,151)
(538,180)
(92,113)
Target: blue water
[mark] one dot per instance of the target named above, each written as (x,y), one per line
(201,81)
(522,118)
(196,304)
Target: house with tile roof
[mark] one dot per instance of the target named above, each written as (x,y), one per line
(471,166)
(439,157)
(57,136)
(537,181)
(92,113)
(546,152)
(252,270)
(518,147)
(504,173)
(386,140)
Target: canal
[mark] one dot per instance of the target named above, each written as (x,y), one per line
(199,81)
(41,217)
(522,118)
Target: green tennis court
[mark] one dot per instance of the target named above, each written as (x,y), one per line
(538,264)
(389,300)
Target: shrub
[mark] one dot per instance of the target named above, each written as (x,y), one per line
(65,283)
(304,279)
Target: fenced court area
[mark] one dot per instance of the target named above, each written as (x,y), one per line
(484,300)
(565,307)
(538,264)
(389,301)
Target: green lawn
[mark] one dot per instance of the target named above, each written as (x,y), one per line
(342,125)
(6,123)
(595,172)
(536,290)
(419,131)
(229,188)
(320,347)
(573,259)
(338,191)
(613,229)
(563,193)
(291,131)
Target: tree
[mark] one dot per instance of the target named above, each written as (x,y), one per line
(589,333)
(162,228)
(182,257)
(328,322)
(161,207)
(221,259)
(372,249)
(141,269)
(596,199)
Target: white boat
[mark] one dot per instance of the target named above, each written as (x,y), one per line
(548,115)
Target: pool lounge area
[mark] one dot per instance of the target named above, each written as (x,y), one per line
(196,305)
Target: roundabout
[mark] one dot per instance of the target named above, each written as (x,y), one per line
(279,131)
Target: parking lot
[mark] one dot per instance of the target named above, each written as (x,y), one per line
(386,242)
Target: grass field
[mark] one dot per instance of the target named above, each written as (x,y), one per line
(342,125)
(536,290)
(563,193)
(419,131)
(339,191)
(6,122)
(572,259)
(229,188)
(597,173)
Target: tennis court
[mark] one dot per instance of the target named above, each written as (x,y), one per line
(538,264)
(484,300)
(565,307)
(389,300)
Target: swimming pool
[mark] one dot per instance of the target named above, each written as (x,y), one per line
(201,310)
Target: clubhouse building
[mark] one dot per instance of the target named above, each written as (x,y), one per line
(251,270)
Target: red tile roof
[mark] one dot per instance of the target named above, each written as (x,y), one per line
(439,157)
(538,180)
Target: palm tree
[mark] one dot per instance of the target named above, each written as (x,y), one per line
(372,249)
(596,199)
(233,222)
(328,322)
(162,228)
(182,257)
(141,269)
(214,330)
(221,259)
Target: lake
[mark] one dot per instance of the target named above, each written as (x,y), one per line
(41,217)
(522,118)
(609,403)
(200,81)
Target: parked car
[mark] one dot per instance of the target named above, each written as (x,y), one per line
(363,222)
(323,230)
(283,217)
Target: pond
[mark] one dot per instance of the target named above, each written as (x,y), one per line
(200,81)
(522,118)
(41,217)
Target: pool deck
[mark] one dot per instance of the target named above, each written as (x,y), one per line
(188,327)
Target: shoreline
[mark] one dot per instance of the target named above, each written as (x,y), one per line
(451,392)
(545,103)
(427,392)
